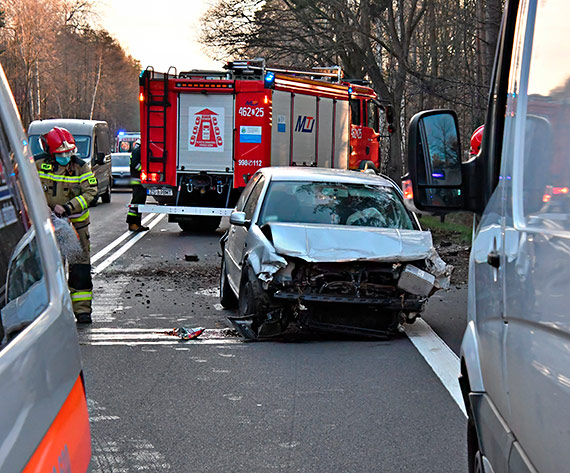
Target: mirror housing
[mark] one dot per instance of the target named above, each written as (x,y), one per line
(100,158)
(434,182)
(238,219)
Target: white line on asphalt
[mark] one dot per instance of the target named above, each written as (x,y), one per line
(174,341)
(126,246)
(112,245)
(150,336)
(442,360)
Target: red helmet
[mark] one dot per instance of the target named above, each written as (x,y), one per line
(57,141)
(476,139)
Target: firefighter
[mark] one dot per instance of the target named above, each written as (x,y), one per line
(69,187)
(139,192)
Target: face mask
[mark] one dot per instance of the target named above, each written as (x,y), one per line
(63,160)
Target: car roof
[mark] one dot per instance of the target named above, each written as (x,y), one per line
(73,125)
(296,173)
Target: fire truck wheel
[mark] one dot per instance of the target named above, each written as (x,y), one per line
(227,297)
(199,224)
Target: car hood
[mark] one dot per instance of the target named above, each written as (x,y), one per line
(335,243)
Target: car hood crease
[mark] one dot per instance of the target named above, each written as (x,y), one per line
(334,243)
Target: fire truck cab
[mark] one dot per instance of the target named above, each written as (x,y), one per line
(204,133)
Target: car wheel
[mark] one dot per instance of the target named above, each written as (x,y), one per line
(106,196)
(253,299)
(227,297)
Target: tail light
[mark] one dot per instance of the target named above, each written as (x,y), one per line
(141,97)
(150,177)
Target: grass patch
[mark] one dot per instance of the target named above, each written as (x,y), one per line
(456,228)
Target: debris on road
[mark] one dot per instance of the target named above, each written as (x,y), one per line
(185,333)
(191,258)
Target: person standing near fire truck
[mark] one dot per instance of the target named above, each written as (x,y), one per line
(139,192)
(69,187)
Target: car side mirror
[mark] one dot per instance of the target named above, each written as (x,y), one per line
(238,219)
(434,182)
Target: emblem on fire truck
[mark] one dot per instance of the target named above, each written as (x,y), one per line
(205,129)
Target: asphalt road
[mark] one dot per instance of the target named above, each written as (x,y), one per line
(218,404)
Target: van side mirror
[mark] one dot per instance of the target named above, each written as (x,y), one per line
(434,182)
(100,158)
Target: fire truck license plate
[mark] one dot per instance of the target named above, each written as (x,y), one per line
(160,191)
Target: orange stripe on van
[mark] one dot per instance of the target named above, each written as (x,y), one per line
(66,447)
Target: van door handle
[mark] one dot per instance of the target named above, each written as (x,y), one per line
(494,259)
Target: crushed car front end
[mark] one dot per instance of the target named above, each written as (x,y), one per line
(365,281)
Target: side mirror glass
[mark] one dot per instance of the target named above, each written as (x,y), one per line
(434,182)
(238,219)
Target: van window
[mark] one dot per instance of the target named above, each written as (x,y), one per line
(83,143)
(23,292)
(538,119)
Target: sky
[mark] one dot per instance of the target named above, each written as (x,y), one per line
(159,33)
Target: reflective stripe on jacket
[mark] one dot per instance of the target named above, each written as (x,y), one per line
(74,186)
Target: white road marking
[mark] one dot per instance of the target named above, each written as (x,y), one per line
(126,246)
(120,454)
(139,336)
(119,240)
(208,291)
(442,360)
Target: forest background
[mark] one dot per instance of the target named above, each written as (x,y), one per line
(417,54)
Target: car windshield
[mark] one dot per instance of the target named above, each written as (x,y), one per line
(83,143)
(334,204)
(120,160)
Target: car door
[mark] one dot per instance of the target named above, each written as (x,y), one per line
(233,249)
(537,255)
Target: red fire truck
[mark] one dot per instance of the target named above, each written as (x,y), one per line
(203,133)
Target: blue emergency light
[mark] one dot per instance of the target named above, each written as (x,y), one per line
(269,81)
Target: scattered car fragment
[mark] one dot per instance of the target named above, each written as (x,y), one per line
(326,250)
(186,333)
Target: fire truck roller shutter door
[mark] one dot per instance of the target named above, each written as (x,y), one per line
(205,139)
(341,138)
(281,128)
(325,143)
(305,129)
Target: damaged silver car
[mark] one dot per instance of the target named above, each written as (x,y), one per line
(322,249)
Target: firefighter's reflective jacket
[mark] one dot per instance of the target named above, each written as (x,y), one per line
(73,186)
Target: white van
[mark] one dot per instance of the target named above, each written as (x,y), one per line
(515,355)
(44,423)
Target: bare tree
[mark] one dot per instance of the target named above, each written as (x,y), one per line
(416,53)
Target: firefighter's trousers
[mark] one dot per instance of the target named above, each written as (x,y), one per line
(139,197)
(79,280)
